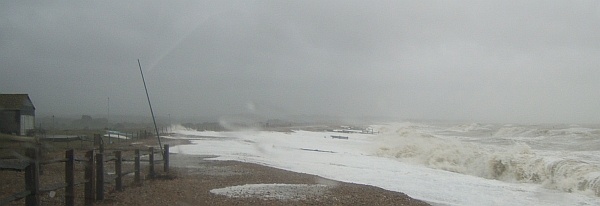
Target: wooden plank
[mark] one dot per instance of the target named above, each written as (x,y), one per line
(14,197)
(10,157)
(17,138)
(155,161)
(53,187)
(13,165)
(109,158)
(53,161)
(81,159)
(61,138)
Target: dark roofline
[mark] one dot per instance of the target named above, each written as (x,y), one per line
(14,101)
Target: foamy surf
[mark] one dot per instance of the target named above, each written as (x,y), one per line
(441,164)
(515,162)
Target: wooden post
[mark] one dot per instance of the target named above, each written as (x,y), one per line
(40,167)
(166,158)
(32,178)
(70,177)
(118,171)
(97,139)
(99,176)
(151,161)
(101,147)
(137,178)
(90,177)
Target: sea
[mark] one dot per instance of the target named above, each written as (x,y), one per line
(440,163)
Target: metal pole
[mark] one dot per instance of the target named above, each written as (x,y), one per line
(149,104)
(108,114)
(53,128)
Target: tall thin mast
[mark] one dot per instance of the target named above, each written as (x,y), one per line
(108,115)
(149,104)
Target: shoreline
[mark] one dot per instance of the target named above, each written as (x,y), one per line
(193,177)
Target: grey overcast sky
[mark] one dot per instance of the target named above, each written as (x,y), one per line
(488,61)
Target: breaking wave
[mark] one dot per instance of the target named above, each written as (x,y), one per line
(545,132)
(513,163)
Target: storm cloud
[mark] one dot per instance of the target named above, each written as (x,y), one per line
(497,61)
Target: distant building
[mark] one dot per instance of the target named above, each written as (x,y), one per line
(17,114)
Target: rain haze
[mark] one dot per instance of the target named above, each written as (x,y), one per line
(487,61)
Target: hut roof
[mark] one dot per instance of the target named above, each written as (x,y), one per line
(15,101)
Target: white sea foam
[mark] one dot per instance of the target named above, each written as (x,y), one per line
(273,191)
(472,164)
(513,163)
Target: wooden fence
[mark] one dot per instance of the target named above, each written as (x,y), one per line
(95,175)
(111,136)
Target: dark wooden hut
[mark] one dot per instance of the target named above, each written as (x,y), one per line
(17,114)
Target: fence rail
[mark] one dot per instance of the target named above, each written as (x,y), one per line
(94,179)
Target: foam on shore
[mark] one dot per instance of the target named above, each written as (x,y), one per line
(273,191)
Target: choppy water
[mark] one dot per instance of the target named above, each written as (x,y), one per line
(444,164)
(561,157)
